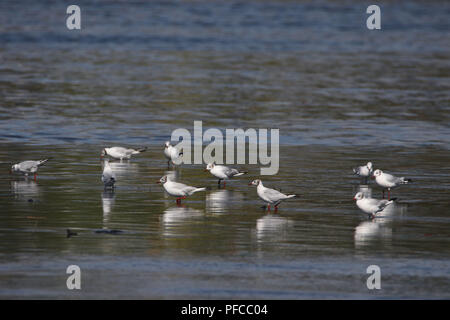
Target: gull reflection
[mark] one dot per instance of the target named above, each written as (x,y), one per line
(217,202)
(272,227)
(108,200)
(365,189)
(25,189)
(379,228)
(120,168)
(175,218)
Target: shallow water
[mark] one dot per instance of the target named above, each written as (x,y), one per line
(339,94)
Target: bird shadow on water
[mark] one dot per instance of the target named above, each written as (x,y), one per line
(221,200)
(108,200)
(175,220)
(378,230)
(26,189)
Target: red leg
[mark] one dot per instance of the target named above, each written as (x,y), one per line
(35,176)
(276,208)
(224,183)
(383,193)
(268,207)
(389,194)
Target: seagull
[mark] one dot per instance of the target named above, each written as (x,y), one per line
(371,206)
(364,171)
(223,172)
(271,196)
(28,167)
(388,181)
(176,189)
(120,152)
(171,152)
(108,176)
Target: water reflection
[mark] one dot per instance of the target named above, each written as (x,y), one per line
(379,228)
(365,189)
(219,201)
(175,218)
(121,167)
(25,189)
(272,227)
(108,200)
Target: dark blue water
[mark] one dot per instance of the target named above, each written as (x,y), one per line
(137,70)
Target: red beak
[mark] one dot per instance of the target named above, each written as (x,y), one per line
(250,184)
(205,170)
(158,181)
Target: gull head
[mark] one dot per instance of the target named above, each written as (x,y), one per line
(103,153)
(358,196)
(369,165)
(377,173)
(167,144)
(255,182)
(163,180)
(15,167)
(210,166)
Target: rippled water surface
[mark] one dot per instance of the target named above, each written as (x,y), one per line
(340,94)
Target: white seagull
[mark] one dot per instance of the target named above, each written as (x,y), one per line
(108,176)
(28,167)
(223,172)
(388,181)
(371,206)
(171,152)
(364,171)
(176,189)
(270,196)
(120,152)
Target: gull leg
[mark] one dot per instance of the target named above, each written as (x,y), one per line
(276,208)
(383,193)
(389,194)
(268,207)
(35,177)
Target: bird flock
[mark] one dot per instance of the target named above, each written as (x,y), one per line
(223,173)
(385,180)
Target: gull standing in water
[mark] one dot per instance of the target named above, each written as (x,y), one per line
(176,189)
(371,206)
(364,171)
(270,196)
(108,176)
(28,167)
(223,172)
(171,153)
(388,181)
(120,152)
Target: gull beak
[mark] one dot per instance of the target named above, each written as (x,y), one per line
(205,170)
(158,181)
(372,177)
(250,184)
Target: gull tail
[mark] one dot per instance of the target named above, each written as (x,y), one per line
(140,150)
(198,189)
(406,181)
(41,162)
(290,196)
(240,173)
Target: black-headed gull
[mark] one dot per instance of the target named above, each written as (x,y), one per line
(120,152)
(270,196)
(364,171)
(223,172)
(176,189)
(171,152)
(108,176)
(28,167)
(388,181)
(371,206)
